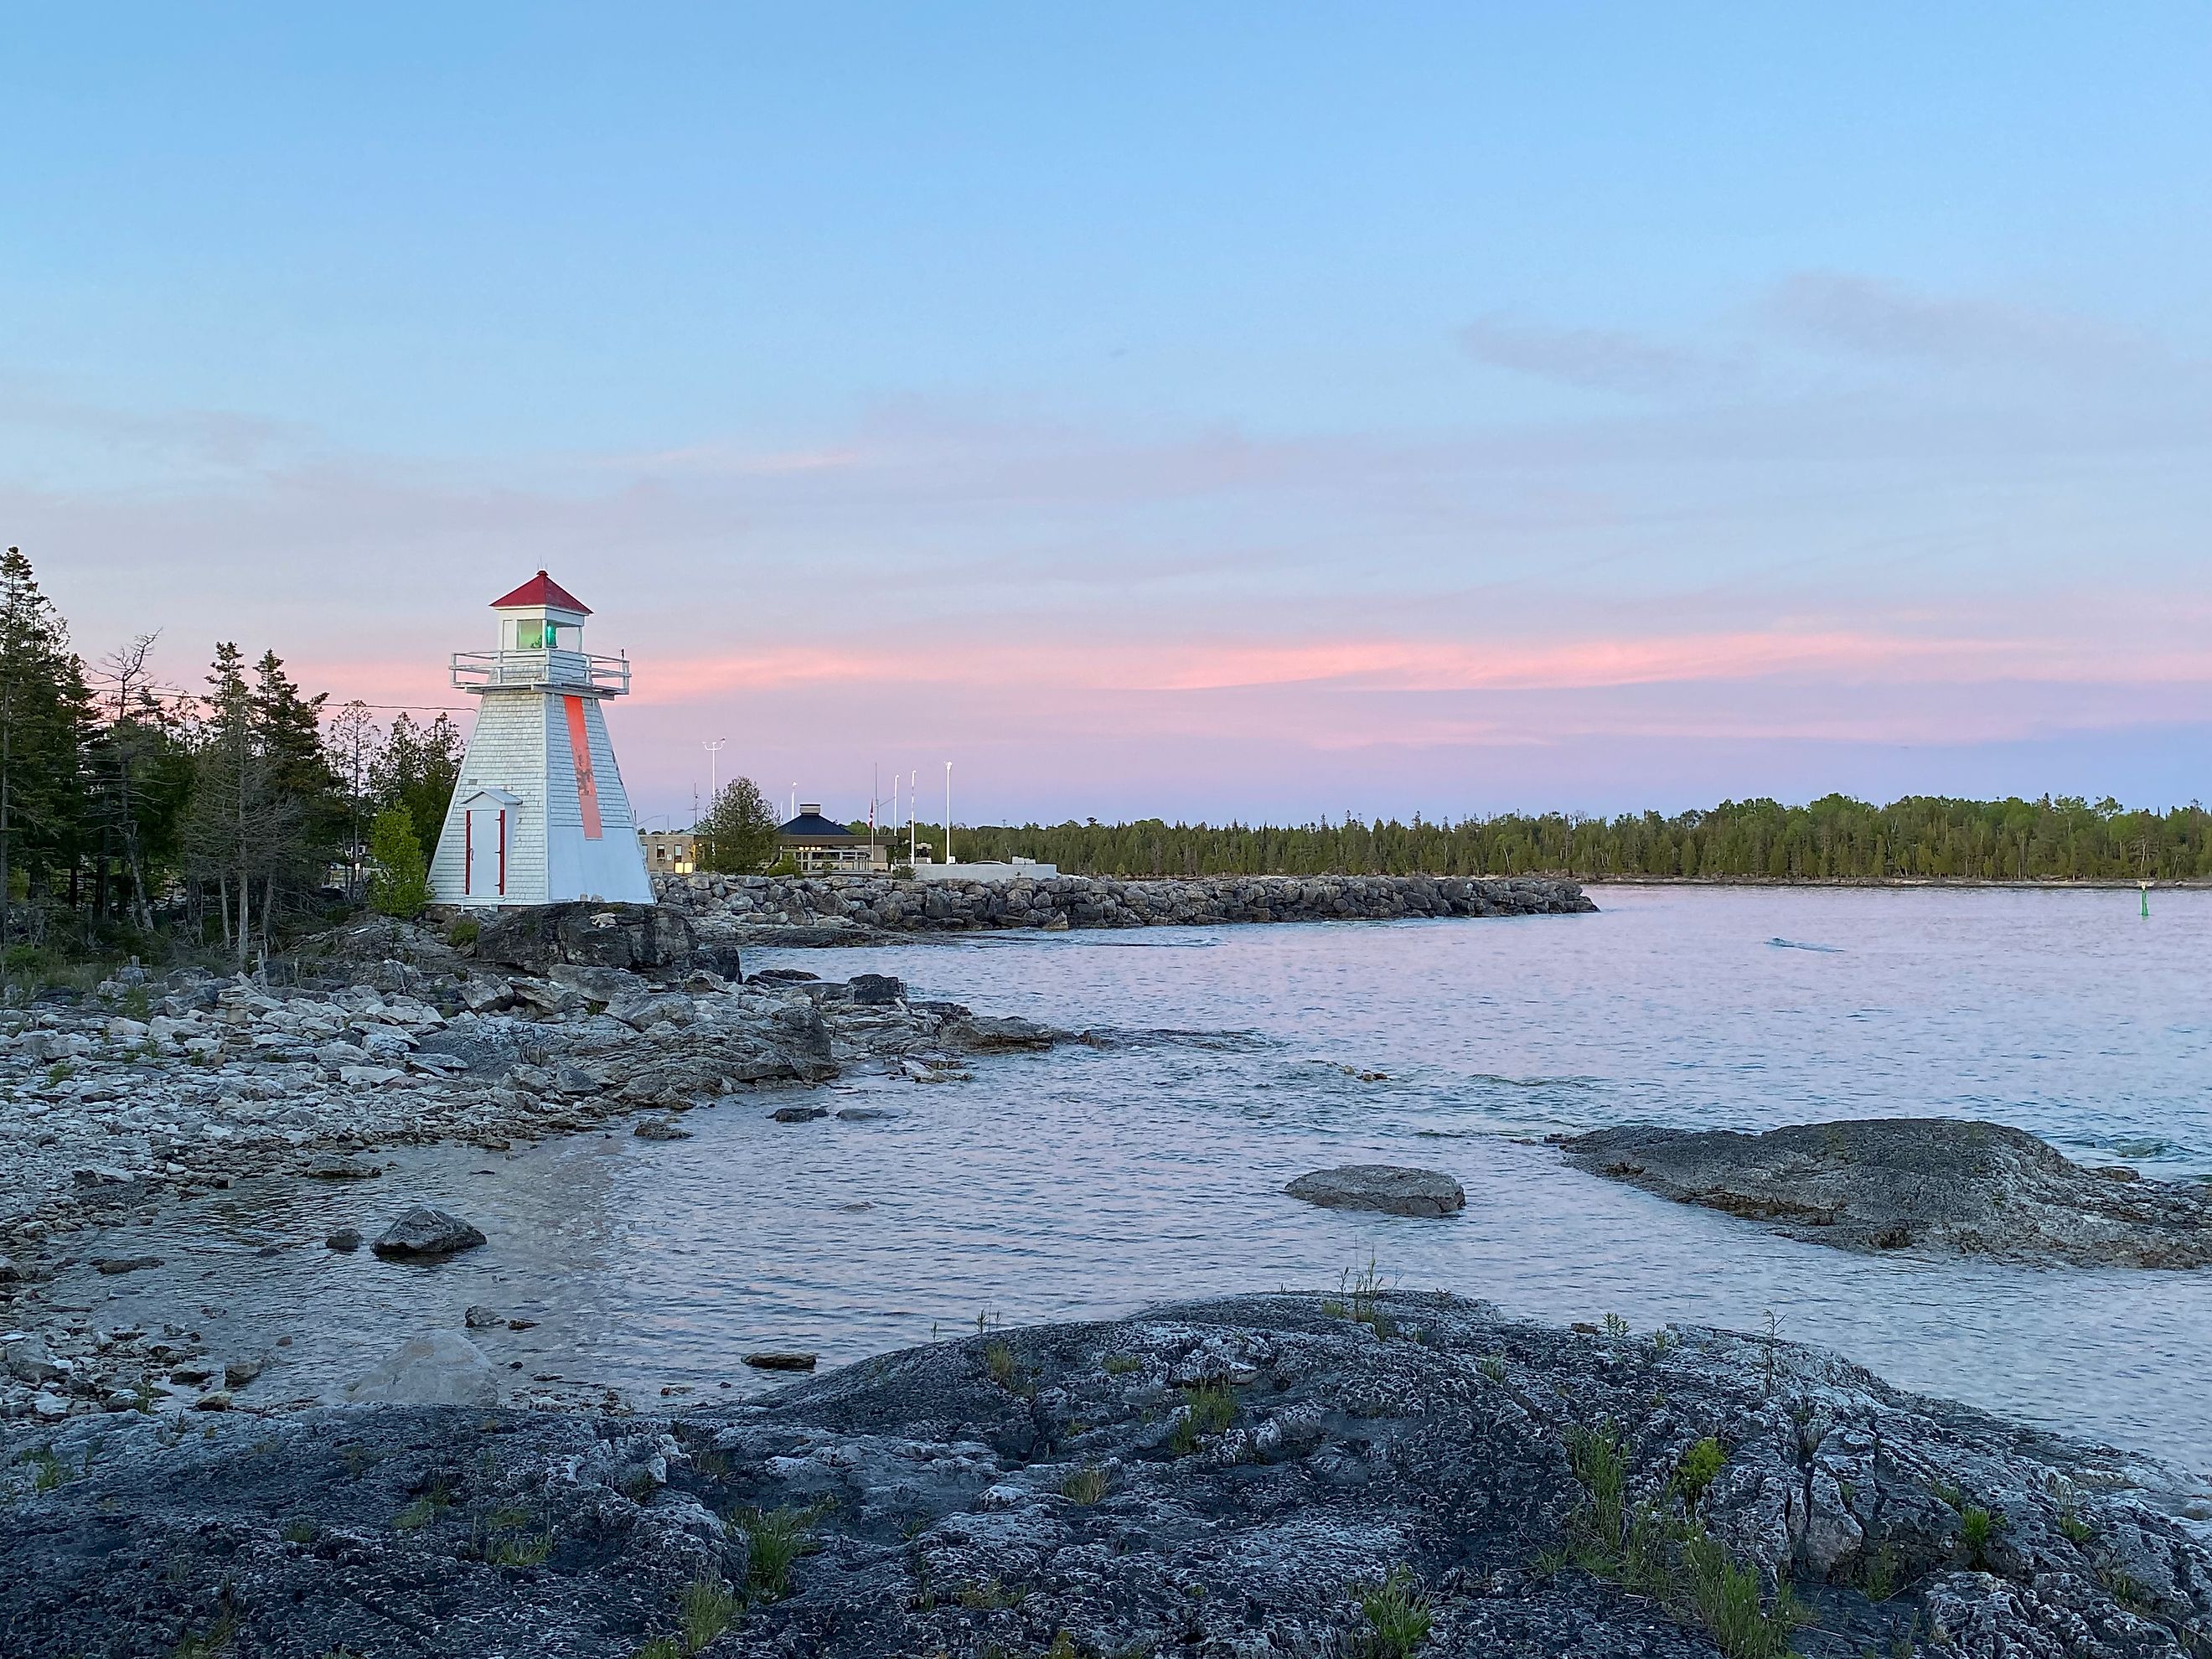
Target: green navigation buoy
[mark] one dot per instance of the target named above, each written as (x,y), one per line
(2145,899)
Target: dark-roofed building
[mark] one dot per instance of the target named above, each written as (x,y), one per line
(820,845)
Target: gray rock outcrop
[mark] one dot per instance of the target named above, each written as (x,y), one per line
(1390,1188)
(651,939)
(1228,1477)
(1967,1189)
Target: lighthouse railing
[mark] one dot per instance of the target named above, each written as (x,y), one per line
(486,670)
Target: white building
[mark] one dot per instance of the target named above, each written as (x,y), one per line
(539,814)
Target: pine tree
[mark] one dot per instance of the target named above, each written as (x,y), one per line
(417,770)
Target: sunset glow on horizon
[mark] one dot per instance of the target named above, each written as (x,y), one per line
(1388,423)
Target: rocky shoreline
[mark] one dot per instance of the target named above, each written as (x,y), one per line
(148,1094)
(856,907)
(1259,1477)
(1962,1188)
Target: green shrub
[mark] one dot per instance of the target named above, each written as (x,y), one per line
(1698,1468)
(401,884)
(464,932)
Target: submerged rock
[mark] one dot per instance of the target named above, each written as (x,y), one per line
(1387,1186)
(425,1234)
(1223,1478)
(1966,1188)
(781,1361)
(439,1368)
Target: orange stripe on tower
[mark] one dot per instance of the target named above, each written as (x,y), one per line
(579,751)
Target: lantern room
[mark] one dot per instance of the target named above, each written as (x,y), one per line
(541,616)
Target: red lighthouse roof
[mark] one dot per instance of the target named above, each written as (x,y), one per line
(542,589)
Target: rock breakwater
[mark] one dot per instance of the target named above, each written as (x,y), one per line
(858,905)
(1255,1476)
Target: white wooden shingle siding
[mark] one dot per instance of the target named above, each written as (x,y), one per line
(520,745)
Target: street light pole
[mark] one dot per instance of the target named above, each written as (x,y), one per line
(714,768)
(948,812)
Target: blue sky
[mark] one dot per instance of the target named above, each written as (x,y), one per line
(1267,412)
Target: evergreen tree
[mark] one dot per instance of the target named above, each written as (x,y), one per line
(417,770)
(45,724)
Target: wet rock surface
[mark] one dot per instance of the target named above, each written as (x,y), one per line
(1963,1188)
(849,909)
(1390,1187)
(1218,1478)
(426,1234)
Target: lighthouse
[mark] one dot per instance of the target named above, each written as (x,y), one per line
(539,814)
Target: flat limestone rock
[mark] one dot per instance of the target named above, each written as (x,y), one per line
(1963,1188)
(1390,1187)
(426,1234)
(1419,1436)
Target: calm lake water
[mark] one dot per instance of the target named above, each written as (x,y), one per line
(1090,1180)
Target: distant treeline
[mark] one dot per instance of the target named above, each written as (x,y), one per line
(1835,838)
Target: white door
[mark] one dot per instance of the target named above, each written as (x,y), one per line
(484,875)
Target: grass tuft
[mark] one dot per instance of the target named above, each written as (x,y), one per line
(1669,1558)
(709,1606)
(1397,1613)
(1120,1364)
(1207,1409)
(1978,1530)
(775,1539)
(1085,1485)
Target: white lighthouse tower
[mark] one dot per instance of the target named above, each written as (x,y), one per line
(539,814)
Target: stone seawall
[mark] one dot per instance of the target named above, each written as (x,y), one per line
(877,903)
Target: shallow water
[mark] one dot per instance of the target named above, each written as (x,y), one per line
(1090,1181)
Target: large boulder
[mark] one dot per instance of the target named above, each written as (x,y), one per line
(1963,1188)
(426,1234)
(1390,1187)
(645,938)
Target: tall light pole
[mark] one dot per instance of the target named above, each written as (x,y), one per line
(713,769)
(948,812)
(913,846)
